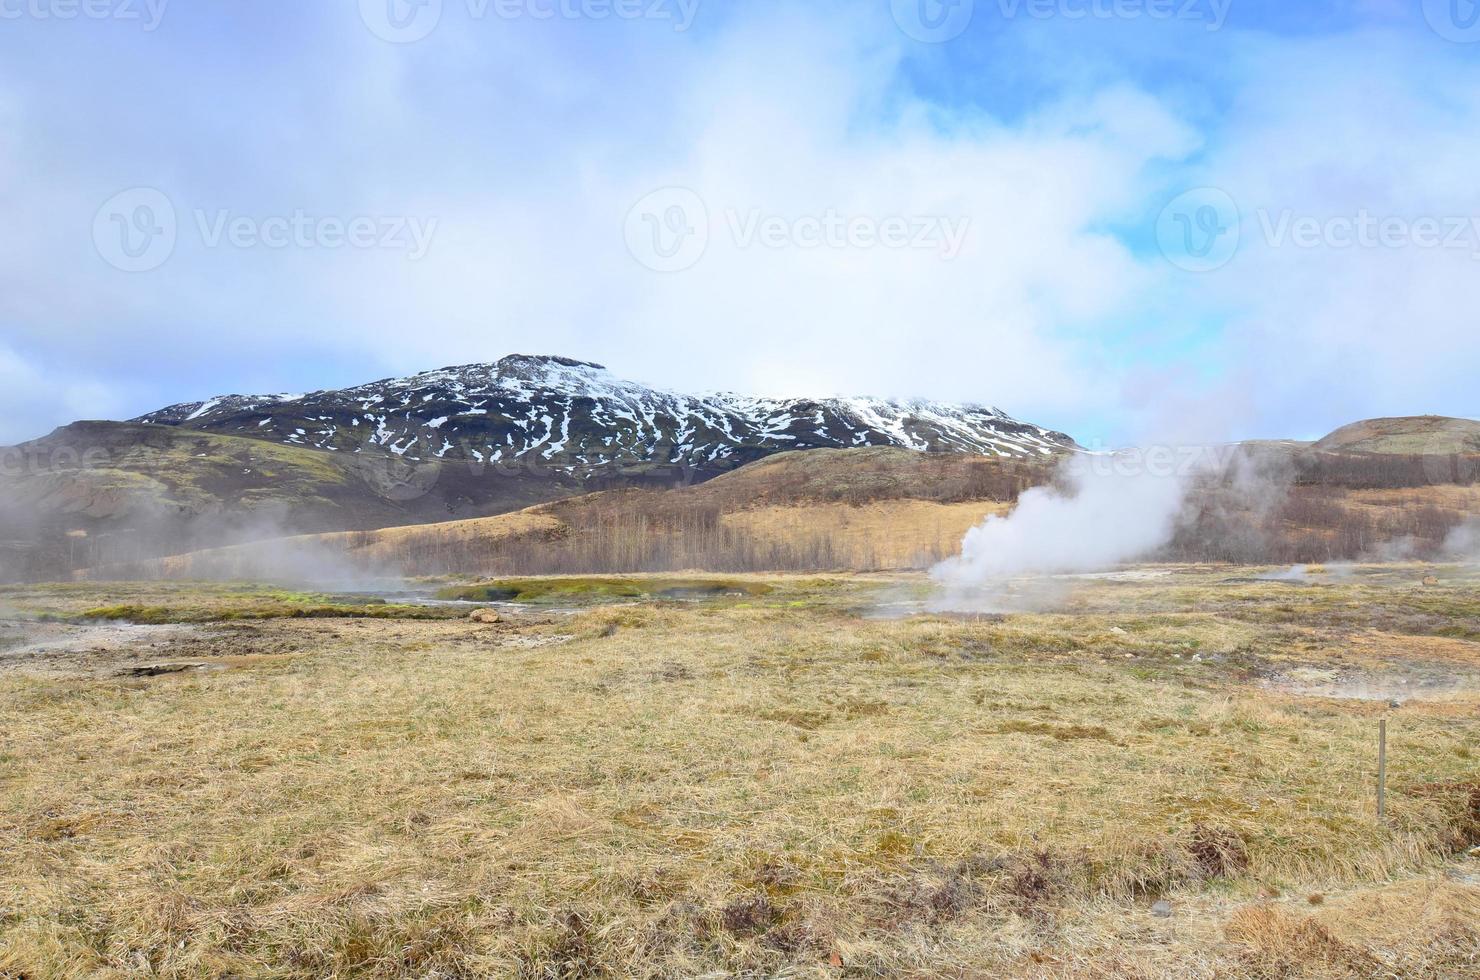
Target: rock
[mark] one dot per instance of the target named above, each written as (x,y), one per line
(1118,631)
(1162,909)
(484,616)
(1430,580)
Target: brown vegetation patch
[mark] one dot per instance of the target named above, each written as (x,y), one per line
(749,915)
(807,719)
(1277,943)
(1035,882)
(1462,800)
(569,950)
(1062,733)
(1217,851)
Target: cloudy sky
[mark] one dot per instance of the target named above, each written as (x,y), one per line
(1121,218)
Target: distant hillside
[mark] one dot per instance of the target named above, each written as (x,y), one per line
(99,492)
(165,487)
(1420,435)
(883,507)
(888,508)
(460,442)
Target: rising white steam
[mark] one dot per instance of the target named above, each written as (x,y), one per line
(1101,513)
(1463,542)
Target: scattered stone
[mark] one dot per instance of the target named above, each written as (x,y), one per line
(1118,631)
(484,616)
(1162,909)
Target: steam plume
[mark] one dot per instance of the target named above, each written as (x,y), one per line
(1096,516)
(1464,541)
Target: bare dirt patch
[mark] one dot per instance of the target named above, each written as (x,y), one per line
(86,649)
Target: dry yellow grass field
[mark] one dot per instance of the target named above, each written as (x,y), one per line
(1465,499)
(762,785)
(895,534)
(371,552)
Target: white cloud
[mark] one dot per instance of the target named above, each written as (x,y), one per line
(1335,332)
(550,270)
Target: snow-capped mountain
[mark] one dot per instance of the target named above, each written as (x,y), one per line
(577,417)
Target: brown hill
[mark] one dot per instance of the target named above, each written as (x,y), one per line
(881,507)
(459,442)
(1416,435)
(888,508)
(95,493)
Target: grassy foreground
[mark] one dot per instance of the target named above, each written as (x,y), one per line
(767,782)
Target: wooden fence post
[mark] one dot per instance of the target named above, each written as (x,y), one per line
(1382,769)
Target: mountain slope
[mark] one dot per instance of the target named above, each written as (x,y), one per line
(574,416)
(456,443)
(889,508)
(826,508)
(97,492)
(1419,435)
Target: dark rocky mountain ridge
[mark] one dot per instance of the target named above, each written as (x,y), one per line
(560,413)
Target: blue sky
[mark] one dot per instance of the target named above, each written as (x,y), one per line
(1129,219)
